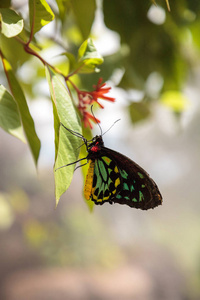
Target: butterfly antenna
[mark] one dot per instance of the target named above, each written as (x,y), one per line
(111,126)
(96,120)
(74,132)
(71,164)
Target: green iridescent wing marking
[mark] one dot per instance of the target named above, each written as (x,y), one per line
(106,180)
(117,179)
(138,189)
(134,190)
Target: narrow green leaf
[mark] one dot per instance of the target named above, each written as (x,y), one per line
(66,144)
(88,51)
(56,128)
(88,57)
(16,57)
(9,115)
(11,23)
(63,5)
(84,12)
(40,14)
(27,121)
(71,59)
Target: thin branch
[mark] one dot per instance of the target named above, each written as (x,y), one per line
(168,6)
(29,50)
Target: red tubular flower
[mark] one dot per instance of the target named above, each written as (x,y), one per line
(99,92)
(87,117)
(87,98)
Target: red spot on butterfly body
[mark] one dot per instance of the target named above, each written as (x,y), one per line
(95,149)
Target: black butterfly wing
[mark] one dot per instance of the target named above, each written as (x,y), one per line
(137,188)
(103,180)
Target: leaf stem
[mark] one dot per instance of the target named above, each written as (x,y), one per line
(74,72)
(29,50)
(74,86)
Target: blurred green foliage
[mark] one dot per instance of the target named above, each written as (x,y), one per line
(65,241)
(166,47)
(72,242)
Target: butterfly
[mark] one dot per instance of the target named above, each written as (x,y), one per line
(114,178)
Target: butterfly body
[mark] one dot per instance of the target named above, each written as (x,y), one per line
(112,177)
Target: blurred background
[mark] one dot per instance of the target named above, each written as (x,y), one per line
(152,63)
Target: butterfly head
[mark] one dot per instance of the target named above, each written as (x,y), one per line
(95,146)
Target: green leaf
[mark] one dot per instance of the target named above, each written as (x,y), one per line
(152,47)
(9,115)
(175,100)
(84,12)
(66,144)
(88,51)
(11,23)
(27,121)
(194,30)
(63,5)
(17,57)
(40,14)
(139,111)
(88,57)
(71,60)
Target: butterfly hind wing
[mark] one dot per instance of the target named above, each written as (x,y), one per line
(103,181)
(89,180)
(138,190)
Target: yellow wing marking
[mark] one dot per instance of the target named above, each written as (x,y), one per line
(89,180)
(117,182)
